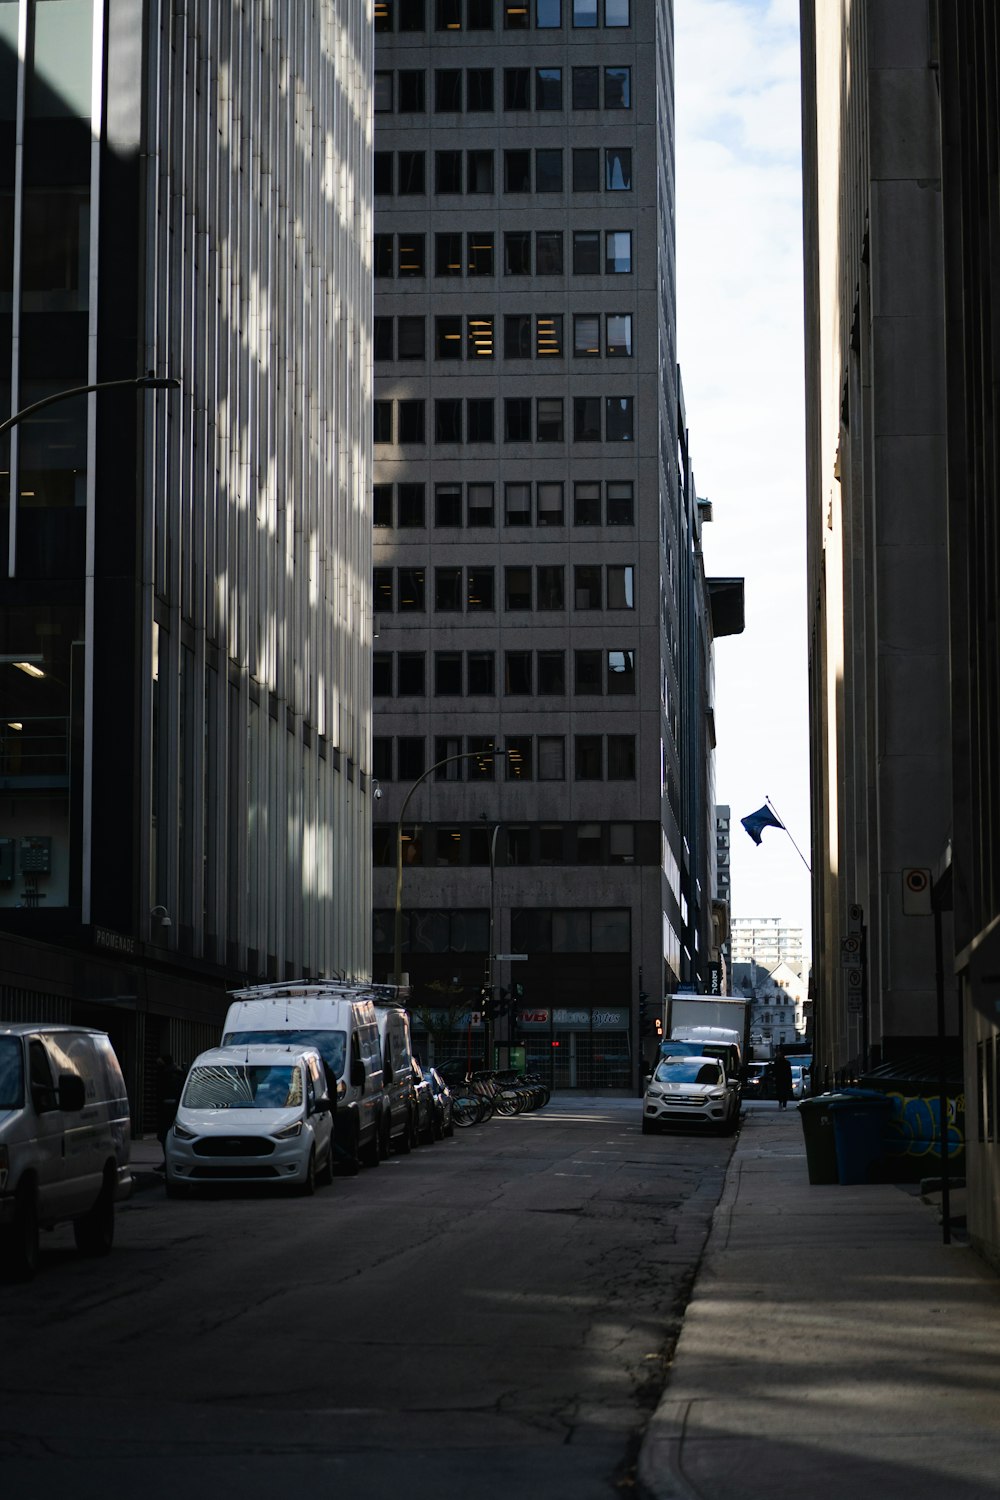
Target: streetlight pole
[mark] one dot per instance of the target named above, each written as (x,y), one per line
(148,382)
(397,959)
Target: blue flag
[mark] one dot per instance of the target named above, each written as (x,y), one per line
(755,823)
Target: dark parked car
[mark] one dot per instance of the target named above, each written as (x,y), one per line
(443,1124)
(426,1114)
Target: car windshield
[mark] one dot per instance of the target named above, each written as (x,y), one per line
(331,1045)
(11,1073)
(687,1070)
(243,1086)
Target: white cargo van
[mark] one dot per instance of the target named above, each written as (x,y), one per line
(397,1074)
(341,1025)
(65,1137)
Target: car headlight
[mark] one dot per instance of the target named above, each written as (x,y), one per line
(182,1134)
(289,1133)
(716,1094)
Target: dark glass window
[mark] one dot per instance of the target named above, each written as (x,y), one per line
(551,757)
(479,665)
(383,15)
(586,169)
(586,503)
(618,251)
(589,757)
(516,254)
(447,505)
(382,590)
(620,502)
(410,173)
(411,590)
(517,88)
(519,759)
(617,88)
(410,756)
(481,769)
(517,588)
(588,843)
(621,842)
(382,759)
(381,504)
(480,502)
(549,252)
(411,421)
(621,672)
(383,254)
(550,591)
(411,15)
(479,172)
(410,338)
(517,336)
(382,421)
(479,90)
(448,255)
(479,15)
(382,674)
(586,85)
(619,418)
(616,13)
(382,338)
(411,86)
(448,15)
(448,674)
(479,252)
(479,429)
(548,88)
(621,586)
(586,252)
(586,335)
(410,505)
(517,673)
(618,169)
(516,16)
(550,835)
(447,590)
(548,171)
(448,846)
(383,93)
(587,673)
(552,672)
(479,589)
(448,337)
(517,504)
(447,91)
(383,167)
(447,171)
(621,757)
(518,841)
(448,420)
(517,171)
(587,419)
(587,592)
(410,674)
(549,503)
(411,255)
(517,419)
(548,14)
(549,420)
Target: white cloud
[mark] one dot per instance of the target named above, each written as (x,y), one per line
(739,251)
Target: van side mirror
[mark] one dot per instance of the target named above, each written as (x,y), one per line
(357,1074)
(72,1093)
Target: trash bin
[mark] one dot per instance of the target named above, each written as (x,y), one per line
(821,1147)
(859,1118)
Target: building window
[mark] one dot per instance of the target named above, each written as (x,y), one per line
(447,505)
(517,419)
(479,90)
(383,93)
(586,169)
(586,335)
(618,169)
(447,674)
(411,590)
(447,171)
(410,505)
(382,593)
(479,421)
(620,508)
(448,337)
(480,670)
(517,88)
(410,174)
(619,419)
(382,421)
(588,757)
(586,252)
(382,757)
(616,13)
(517,171)
(549,501)
(585,88)
(588,843)
(479,172)
(382,255)
(587,674)
(411,15)
(551,673)
(383,15)
(549,420)
(519,763)
(548,88)
(621,672)
(517,504)
(516,254)
(410,83)
(517,588)
(517,336)
(548,171)
(410,756)
(549,336)
(382,181)
(448,255)
(411,255)
(479,589)
(448,420)
(618,251)
(480,501)
(479,337)
(587,419)
(586,503)
(551,757)
(515,15)
(410,338)
(518,845)
(381,504)
(621,757)
(587,586)
(548,14)
(447,91)
(382,674)
(479,252)
(479,15)
(548,252)
(617,88)
(411,421)
(447,590)
(584,13)
(618,335)
(448,844)
(517,674)
(621,586)
(550,587)
(480,769)
(410,674)
(448,15)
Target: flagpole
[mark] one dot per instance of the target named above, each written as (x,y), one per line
(784,825)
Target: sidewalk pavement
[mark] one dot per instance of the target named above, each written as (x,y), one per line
(833,1347)
(145,1157)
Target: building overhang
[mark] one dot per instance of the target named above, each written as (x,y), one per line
(726,600)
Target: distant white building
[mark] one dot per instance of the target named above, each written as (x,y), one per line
(767,941)
(778,1000)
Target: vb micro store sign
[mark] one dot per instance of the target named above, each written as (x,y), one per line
(613,1018)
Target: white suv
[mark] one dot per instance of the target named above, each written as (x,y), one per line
(690,1091)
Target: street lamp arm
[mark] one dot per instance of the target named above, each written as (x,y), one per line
(398,926)
(138,382)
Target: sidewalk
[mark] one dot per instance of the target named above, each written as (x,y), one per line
(833,1346)
(145,1156)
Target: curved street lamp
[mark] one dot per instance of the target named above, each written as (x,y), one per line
(148,382)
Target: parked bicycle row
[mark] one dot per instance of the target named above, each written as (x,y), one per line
(478,1096)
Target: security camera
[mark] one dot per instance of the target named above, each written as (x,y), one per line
(377,792)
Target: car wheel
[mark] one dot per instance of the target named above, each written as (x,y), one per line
(428,1134)
(384,1136)
(437,1124)
(94,1232)
(349,1155)
(19,1242)
(404,1143)
(307,1186)
(647,1126)
(371,1154)
(325,1175)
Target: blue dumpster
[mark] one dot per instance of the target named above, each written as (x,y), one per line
(859,1118)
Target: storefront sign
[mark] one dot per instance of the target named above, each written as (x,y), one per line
(117,942)
(612,1018)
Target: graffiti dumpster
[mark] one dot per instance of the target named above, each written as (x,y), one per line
(911,1136)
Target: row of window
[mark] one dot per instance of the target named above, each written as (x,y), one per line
(474,253)
(525,757)
(542,929)
(549,424)
(516,15)
(540,844)
(403,173)
(479,508)
(595,586)
(472,674)
(471,91)
(525,336)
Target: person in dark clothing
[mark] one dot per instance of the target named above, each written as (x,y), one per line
(782,1080)
(169,1084)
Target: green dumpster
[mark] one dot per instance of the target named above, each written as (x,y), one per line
(821,1144)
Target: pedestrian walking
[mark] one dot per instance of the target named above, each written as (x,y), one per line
(169,1083)
(782,1080)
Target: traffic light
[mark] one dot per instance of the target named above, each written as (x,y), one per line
(643,1011)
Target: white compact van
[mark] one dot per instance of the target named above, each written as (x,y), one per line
(340,1023)
(65,1137)
(400,1104)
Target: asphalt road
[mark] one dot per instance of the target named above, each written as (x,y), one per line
(490,1315)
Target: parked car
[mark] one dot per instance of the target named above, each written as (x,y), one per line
(254,1113)
(341,1025)
(399,1102)
(426,1112)
(798,1080)
(441,1093)
(690,1091)
(65,1138)
(756,1081)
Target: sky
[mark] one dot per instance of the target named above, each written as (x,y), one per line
(739,294)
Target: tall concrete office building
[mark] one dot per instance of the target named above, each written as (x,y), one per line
(544,626)
(184,593)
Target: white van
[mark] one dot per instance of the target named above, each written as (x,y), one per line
(65,1137)
(397,1075)
(722,1042)
(260,1114)
(340,1024)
